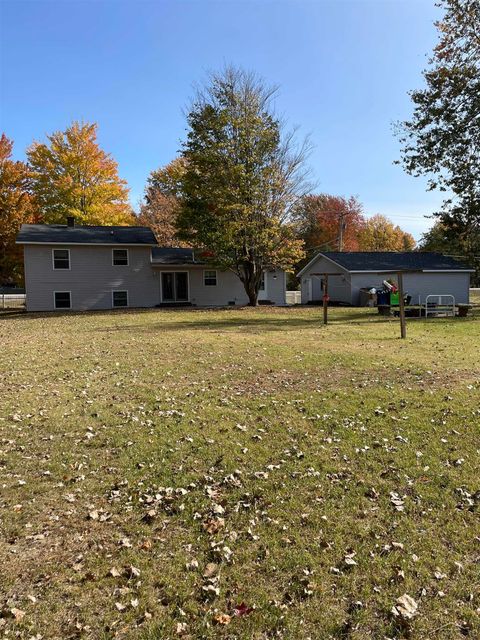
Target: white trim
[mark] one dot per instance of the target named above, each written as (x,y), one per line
(161,286)
(113,259)
(448,271)
(62,308)
(406,273)
(216,277)
(53,259)
(120,291)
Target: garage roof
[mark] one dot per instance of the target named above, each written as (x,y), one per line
(375,261)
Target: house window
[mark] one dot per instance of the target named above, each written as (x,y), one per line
(62,299)
(210,278)
(120,298)
(120,257)
(61,258)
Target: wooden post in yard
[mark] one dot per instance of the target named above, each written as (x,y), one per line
(325,298)
(403,324)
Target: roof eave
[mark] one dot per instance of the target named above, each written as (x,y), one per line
(176,264)
(448,270)
(405,270)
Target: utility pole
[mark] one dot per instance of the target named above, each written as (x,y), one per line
(343,226)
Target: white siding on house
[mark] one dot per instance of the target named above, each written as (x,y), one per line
(91,277)
(276,287)
(228,289)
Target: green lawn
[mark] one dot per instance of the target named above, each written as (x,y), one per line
(240,474)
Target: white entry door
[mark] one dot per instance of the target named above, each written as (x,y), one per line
(309,289)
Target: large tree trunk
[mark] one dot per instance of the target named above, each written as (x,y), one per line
(251,282)
(252,297)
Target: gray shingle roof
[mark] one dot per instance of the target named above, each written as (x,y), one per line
(62,234)
(173,256)
(384,260)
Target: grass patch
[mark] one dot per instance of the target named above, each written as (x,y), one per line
(238,474)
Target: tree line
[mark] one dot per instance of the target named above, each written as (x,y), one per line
(240,189)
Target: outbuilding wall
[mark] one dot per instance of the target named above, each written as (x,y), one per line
(346,288)
(338,286)
(417,285)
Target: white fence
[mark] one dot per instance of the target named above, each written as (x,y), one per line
(12,301)
(294,297)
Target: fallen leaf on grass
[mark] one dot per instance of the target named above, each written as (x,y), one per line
(242,609)
(146,545)
(213,525)
(18,614)
(125,542)
(223,618)
(397,502)
(133,572)
(211,591)
(210,570)
(405,608)
(439,575)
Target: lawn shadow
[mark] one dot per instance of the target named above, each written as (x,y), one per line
(249,324)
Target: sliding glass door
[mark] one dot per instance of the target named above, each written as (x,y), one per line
(174,286)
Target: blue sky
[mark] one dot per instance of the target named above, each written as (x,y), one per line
(344,68)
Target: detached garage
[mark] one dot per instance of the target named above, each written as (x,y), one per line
(435,274)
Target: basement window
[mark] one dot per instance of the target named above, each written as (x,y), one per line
(62,300)
(120,298)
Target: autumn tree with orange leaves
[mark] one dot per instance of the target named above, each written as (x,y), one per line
(161,202)
(334,223)
(321,218)
(16,207)
(380,234)
(72,176)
